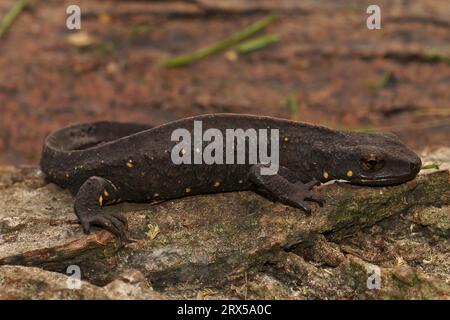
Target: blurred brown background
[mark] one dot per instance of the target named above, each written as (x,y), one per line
(327,67)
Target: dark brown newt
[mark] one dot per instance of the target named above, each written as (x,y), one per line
(104,163)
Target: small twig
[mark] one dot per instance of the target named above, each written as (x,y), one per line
(246,286)
(220,46)
(9,18)
(442,112)
(435,55)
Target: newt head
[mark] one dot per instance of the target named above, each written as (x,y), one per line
(373,159)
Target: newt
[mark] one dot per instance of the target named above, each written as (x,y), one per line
(105,163)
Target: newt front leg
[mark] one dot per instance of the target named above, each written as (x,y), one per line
(281,189)
(95,193)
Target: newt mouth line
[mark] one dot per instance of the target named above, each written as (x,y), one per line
(383,181)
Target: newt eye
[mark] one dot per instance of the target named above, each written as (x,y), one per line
(372,163)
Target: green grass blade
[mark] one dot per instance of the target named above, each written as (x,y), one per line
(220,46)
(9,18)
(431,166)
(257,43)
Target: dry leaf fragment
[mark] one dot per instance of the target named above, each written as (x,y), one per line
(80,39)
(201,295)
(153,231)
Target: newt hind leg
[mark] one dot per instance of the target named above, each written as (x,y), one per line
(95,193)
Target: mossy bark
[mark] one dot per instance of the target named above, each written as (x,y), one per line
(208,240)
